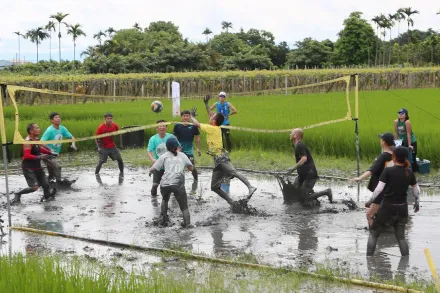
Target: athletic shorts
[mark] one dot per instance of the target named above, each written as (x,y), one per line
(113,153)
(34,177)
(390,214)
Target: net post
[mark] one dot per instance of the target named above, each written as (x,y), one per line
(356,130)
(4,146)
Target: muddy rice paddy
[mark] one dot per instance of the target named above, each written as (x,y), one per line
(276,234)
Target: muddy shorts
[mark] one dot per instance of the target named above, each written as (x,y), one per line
(35,177)
(54,168)
(157,176)
(179,193)
(390,215)
(305,184)
(113,153)
(223,170)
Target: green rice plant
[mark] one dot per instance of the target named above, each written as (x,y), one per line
(378,110)
(12,78)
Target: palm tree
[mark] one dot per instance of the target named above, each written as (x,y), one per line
(59,17)
(207,32)
(50,27)
(383,24)
(226,25)
(99,36)
(399,16)
(377,21)
(110,31)
(75,31)
(390,23)
(408,12)
(137,26)
(19,35)
(36,36)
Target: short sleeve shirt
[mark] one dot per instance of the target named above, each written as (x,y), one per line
(213,138)
(308,170)
(52,133)
(157,144)
(397,180)
(174,167)
(377,168)
(107,141)
(185,135)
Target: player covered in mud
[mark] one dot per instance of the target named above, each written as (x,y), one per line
(222,163)
(106,146)
(56,132)
(384,160)
(156,148)
(185,134)
(31,165)
(307,173)
(173,162)
(394,182)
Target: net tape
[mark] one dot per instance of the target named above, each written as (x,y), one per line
(18,138)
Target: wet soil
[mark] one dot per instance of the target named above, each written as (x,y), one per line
(276,233)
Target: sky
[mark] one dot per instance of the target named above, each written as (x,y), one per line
(288,20)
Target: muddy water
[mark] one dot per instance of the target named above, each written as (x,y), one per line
(279,235)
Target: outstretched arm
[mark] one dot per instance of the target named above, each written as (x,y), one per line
(208,109)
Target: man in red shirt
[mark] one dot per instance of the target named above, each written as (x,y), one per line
(31,165)
(106,145)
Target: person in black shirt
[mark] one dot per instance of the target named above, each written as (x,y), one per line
(307,173)
(185,135)
(394,182)
(384,160)
(31,165)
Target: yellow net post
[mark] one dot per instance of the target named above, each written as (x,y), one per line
(433,270)
(4,145)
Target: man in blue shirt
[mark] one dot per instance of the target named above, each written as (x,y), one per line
(156,148)
(227,110)
(185,135)
(56,132)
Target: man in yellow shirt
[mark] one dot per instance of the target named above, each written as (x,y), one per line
(222,164)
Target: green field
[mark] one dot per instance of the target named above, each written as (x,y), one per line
(377,111)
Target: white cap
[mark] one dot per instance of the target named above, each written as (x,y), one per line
(222,94)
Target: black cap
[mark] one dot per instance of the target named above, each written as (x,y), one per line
(388,138)
(172,143)
(403,110)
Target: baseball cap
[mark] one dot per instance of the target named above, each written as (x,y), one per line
(403,110)
(172,143)
(222,94)
(388,138)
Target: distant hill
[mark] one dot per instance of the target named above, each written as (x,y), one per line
(4,63)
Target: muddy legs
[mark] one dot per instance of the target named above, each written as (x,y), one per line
(399,231)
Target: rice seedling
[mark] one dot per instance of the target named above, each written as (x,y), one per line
(377,112)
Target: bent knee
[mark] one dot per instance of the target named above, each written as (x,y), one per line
(35,188)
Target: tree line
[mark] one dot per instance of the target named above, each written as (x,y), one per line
(160,47)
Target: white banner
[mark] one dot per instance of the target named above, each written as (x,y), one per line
(175,88)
